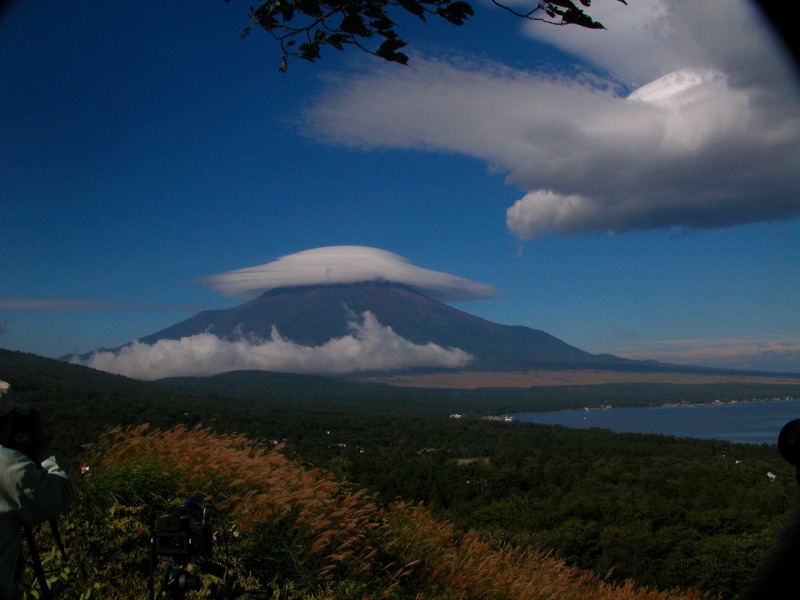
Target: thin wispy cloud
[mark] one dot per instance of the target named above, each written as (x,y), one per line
(369,347)
(81,305)
(708,137)
(762,353)
(342,265)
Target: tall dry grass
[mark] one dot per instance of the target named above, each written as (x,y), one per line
(482,570)
(297,532)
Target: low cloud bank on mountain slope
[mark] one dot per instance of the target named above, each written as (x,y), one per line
(370,347)
(708,138)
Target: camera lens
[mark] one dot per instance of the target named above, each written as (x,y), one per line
(789,442)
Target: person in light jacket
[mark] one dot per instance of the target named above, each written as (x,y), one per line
(33,489)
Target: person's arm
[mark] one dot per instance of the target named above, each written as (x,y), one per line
(41,493)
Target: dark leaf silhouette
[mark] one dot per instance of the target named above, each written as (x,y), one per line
(303,27)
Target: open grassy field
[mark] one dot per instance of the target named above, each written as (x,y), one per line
(526,379)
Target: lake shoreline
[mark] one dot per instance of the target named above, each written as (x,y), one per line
(752,421)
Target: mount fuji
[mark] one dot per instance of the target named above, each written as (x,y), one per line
(313,315)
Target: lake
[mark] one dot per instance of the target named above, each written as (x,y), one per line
(745,422)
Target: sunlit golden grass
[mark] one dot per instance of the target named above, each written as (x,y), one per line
(294,530)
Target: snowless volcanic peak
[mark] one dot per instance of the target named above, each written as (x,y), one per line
(343,265)
(338,329)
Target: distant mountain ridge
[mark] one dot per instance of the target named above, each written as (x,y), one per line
(312,315)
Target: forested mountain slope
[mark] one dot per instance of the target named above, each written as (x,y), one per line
(661,511)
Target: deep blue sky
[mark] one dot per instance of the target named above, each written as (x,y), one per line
(144,146)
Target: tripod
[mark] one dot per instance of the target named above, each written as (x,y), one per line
(176,581)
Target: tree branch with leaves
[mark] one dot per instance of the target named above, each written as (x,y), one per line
(303,27)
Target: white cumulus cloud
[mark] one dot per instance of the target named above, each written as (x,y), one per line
(343,264)
(648,38)
(710,136)
(369,347)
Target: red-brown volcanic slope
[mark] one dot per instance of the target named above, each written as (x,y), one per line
(525,379)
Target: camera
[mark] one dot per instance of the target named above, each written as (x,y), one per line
(182,535)
(185,532)
(23,432)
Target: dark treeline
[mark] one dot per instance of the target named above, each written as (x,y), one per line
(663,511)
